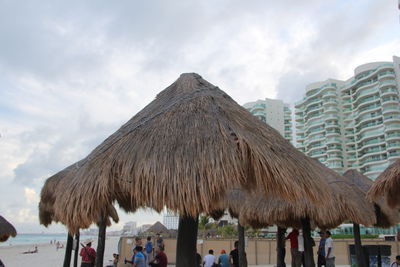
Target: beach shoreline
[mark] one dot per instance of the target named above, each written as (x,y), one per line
(48,254)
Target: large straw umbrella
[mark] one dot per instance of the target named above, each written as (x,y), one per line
(385,216)
(348,204)
(51,189)
(6,229)
(388,185)
(183,151)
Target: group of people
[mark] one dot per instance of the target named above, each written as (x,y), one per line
(326,255)
(224,260)
(150,254)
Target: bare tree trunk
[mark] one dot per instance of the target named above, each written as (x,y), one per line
(187,242)
(68,250)
(280,247)
(76,249)
(101,243)
(308,242)
(241,249)
(358,246)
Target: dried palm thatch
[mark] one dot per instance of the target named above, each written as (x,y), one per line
(385,216)
(6,230)
(388,186)
(183,151)
(53,187)
(348,204)
(157,228)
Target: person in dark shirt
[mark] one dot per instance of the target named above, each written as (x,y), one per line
(321,250)
(198,260)
(160,260)
(234,255)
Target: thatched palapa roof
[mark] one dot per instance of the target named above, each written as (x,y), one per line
(52,188)
(348,204)
(385,216)
(157,228)
(388,186)
(183,151)
(6,229)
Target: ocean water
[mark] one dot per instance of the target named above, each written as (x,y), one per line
(25,239)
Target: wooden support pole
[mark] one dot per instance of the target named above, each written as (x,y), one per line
(358,246)
(187,242)
(280,247)
(68,251)
(308,248)
(241,249)
(101,243)
(76,253)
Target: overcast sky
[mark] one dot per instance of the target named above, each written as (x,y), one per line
(72,72)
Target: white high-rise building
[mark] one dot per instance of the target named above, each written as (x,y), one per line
(171,220)
(353,124)
(130,228)
(275,113)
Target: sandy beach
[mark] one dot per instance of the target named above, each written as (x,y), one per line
(48,255)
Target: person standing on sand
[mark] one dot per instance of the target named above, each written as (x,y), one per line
(148,251)
(88,255)
(294,248)
(234,255)
(321,250)
(160,241)
(329,251)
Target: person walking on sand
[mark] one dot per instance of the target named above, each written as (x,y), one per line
(329,250)
(294,248)
(88,255)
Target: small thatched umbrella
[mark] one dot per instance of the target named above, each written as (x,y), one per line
(385,216)
(257,210)
(388,185)
(157,228)
(6,229)
(183,151)
(51,189)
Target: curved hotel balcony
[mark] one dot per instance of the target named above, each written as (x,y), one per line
(353,123)
(318,124)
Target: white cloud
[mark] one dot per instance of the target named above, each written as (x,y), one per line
(31,196)
(72,73)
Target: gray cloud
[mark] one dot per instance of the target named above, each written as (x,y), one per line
(73,72)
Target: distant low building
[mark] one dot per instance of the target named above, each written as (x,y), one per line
(130,228)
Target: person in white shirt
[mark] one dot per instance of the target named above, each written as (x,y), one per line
(300,241)
(329,250)
(209,259)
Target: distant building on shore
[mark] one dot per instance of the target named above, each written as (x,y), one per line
(130,228)
(275,113)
